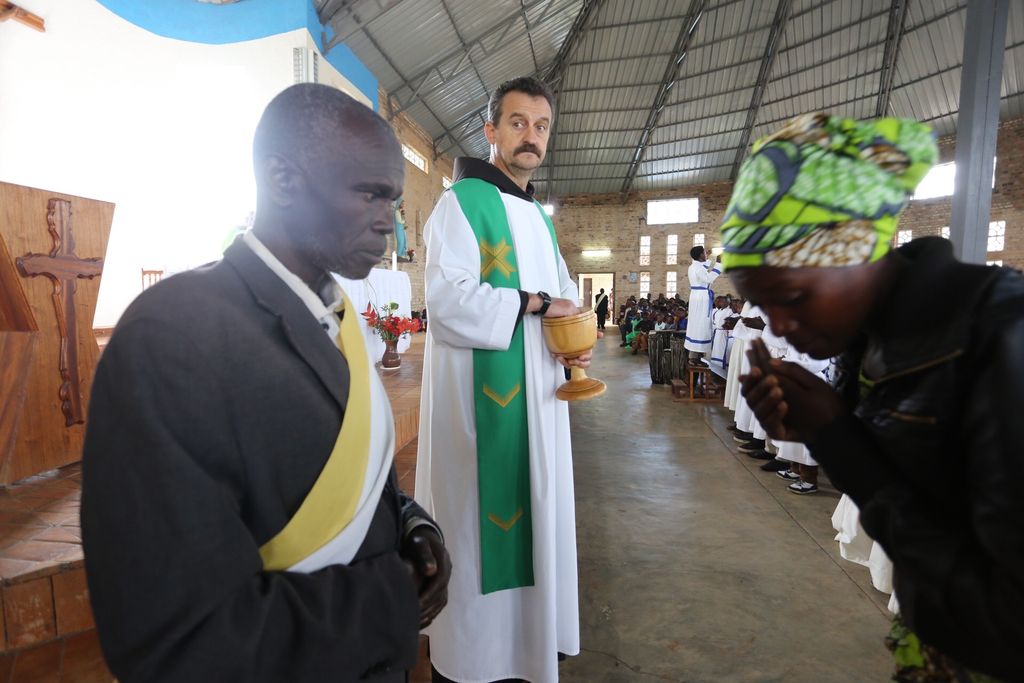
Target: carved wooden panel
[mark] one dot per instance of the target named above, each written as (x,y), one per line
(53,246)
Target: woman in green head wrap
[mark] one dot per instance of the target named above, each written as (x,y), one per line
(922,428)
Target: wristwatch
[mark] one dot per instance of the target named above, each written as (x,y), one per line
(545,303)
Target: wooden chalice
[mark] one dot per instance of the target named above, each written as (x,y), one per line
(571,337)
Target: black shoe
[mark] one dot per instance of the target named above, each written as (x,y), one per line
(752,446)
(775,465)
(741,437)
(761,455)
(733,428)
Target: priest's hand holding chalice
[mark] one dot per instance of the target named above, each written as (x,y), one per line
(570,336)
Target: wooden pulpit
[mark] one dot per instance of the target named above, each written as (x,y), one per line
(51,255)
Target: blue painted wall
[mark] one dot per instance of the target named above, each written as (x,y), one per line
(342,58)
(200,22)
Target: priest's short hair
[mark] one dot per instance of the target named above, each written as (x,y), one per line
(524,84)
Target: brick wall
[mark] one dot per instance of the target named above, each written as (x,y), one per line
(605,222)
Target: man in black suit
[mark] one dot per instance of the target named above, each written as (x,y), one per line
(601,308)
(222,400)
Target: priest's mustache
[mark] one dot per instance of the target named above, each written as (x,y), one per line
(527,148)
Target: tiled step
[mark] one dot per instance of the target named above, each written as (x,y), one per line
(47,631)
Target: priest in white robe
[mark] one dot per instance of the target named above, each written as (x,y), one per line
(699,330)
(495,461)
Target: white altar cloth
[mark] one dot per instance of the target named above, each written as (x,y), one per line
(379,288)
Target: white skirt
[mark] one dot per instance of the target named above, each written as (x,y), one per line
(856,546)
(732,382)
(796,452)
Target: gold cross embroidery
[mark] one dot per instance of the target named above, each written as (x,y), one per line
(495,256)
(506,525)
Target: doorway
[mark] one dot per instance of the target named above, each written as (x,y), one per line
(592,283)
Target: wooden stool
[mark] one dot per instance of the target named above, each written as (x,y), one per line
(702,387)
(678,389)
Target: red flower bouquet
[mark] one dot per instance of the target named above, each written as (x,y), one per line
(389,326)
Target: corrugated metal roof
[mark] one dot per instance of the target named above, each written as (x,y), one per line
(440,58)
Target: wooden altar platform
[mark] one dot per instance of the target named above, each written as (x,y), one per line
(47,631)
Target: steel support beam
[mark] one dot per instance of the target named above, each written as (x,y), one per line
(500,28)
(462,42)
(331,10)
(977,126)
(803,69)
(394,67)
(668,81)
(764,75)
(893,38)
(456,140)
(697,153)
(529,34)
(555,72)
(702,74)
(646,175)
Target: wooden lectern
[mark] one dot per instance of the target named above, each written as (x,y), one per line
(51,255)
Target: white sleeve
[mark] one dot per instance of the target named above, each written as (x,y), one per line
(811,364)
(777,346)
(463,311)
(706,277)
(567,287)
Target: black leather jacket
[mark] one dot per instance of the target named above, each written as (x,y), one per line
(933,453)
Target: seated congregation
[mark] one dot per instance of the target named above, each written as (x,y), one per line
(658,330)
(639,318)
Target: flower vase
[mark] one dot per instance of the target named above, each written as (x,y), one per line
(391,360)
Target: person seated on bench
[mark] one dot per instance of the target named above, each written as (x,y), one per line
(637,340)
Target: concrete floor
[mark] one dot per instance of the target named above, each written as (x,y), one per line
(697,566)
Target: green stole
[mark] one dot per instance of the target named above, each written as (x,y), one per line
(499,381)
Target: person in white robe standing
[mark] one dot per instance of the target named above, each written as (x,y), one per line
(740,335)
(699,332)
(802,472)
(721,338)
(753,328)
(495,463)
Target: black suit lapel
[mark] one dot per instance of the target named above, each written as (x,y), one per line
(298,325)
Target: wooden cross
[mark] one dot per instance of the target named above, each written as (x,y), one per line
(8,10)
(63,268)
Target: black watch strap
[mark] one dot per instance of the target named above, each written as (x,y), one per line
(545,303)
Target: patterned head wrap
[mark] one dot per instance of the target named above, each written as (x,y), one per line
(824,191)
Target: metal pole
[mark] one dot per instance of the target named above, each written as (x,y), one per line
(977,126)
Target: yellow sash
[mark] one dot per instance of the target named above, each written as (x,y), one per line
(331,504)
